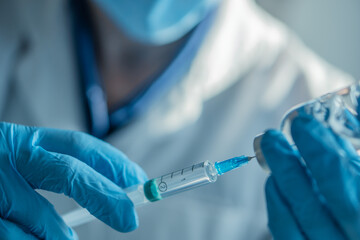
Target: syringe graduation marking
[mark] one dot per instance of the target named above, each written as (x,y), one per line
(153,191)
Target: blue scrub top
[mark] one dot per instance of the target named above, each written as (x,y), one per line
(102,121)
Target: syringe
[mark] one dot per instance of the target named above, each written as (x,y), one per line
(167,185)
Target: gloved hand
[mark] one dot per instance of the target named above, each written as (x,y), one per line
(318,199)
(82,167)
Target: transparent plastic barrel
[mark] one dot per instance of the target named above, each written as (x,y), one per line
(184,179)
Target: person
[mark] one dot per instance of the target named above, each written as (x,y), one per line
(167,83)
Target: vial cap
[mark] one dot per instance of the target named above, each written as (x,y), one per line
(259,154)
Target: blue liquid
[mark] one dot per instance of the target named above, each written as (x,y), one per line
(230,164)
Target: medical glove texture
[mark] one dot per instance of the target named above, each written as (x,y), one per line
(314,189)
(82,167)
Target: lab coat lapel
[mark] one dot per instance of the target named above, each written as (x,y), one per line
(47,85)
(9,45)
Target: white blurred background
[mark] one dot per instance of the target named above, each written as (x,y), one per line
(330,27)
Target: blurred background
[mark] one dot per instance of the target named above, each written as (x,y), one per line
(330,27)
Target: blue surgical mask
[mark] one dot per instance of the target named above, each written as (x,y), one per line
(156,22)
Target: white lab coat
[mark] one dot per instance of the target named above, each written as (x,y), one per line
(249,71)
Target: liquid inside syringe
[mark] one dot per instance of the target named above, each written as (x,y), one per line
(167,185)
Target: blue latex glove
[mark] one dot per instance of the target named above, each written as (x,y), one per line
(82,167)
(316,200)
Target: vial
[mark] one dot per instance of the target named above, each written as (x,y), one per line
(337,110)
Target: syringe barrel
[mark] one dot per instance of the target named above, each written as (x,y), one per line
(336,110)
(156,189)
(172,183)
(185,179)
(181,180)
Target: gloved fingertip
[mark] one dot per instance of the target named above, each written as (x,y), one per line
(310,136)
(302,122)
(274,139)
(123,216)
(132,225)
(270,135)
(131,220)
(275,149)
